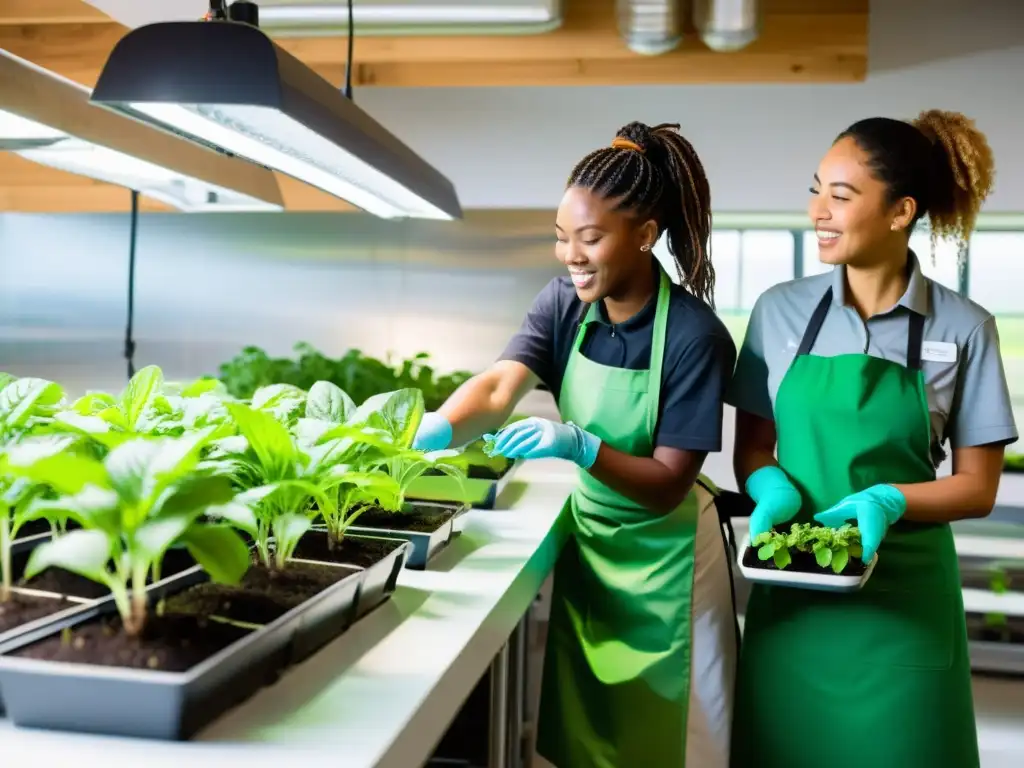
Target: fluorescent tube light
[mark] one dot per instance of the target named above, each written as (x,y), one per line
(48,120)
(227,85)
(400,14)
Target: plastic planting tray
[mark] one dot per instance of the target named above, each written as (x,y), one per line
(825,581)
(476,492)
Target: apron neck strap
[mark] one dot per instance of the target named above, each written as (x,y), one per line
(915,332)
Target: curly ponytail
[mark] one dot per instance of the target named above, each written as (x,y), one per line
(656,173)
(963,171)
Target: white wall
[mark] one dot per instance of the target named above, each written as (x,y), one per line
(513,147)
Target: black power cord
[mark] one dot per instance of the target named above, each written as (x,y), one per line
(129,340)
(351,46)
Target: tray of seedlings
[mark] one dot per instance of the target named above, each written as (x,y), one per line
(486,478)
(370,492)
(162,655)
(807,557)
(188,546)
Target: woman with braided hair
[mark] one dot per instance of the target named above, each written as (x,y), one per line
(857,378)
(642,641)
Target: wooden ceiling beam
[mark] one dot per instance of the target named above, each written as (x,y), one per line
(801,41)
(50,12)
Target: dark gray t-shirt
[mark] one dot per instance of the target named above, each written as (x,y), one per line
(697,367)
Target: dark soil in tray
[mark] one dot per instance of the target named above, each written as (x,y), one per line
(170,643)
(67,583)
(262,597)
(1011,632)
(21,609)
(364,553)
(803,562)
(417,520)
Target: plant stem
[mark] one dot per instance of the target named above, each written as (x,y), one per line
(137,612)
(5,557)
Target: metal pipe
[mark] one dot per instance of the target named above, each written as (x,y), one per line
(517,694)
(498,740)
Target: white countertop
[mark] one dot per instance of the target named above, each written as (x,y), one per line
(385,692)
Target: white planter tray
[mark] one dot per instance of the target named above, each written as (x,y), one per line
(822,582)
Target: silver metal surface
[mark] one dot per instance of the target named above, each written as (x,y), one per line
(313,18)
(498,741)
(651,27)
(727,25)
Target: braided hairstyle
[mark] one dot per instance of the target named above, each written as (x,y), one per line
(940,159)
(656,173)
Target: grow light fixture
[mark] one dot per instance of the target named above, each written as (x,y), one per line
(49,120)
(226,84)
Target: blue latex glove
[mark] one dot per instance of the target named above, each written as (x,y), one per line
(778,500)
(874,510)
(536,438)
(434,433)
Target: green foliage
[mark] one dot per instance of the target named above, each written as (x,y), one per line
(359,375)
(194,465)
(142,498)
(832,547)
(1013,462)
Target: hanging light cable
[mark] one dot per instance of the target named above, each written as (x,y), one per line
(129,331)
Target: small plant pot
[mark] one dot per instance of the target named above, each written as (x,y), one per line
(381,560)
(480,490)
(427,526)
(161,704)
(819,579)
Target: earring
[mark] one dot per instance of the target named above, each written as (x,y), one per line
(645,247)
(894,226)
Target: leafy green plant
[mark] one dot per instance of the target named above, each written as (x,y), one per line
(111,420)
(17,493)
(398,414)
(288,484)
(999,583)
(27,406)
(1013,462)
(360,375)
(145,496)
(831,547)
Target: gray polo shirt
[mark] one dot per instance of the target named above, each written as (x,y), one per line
(968,398)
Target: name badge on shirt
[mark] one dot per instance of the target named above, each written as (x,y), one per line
(938,352)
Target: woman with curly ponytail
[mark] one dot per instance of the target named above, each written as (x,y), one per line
(641,648)
(847,387)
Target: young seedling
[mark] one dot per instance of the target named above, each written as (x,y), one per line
(109,420)
(287,484)
(136,503)
(831,547)
(398,415)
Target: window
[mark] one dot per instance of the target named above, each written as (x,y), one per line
(766,259)
(994,280)
(944,267)
(812,264)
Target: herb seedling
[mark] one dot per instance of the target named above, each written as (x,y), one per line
(831,547)
(136,503)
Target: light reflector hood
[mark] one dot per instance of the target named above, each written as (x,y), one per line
(49,120)
(228,85)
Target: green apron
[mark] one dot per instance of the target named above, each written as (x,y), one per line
(880,677)
(617,666)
